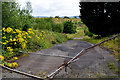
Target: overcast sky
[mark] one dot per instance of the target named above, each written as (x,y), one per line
(53,7)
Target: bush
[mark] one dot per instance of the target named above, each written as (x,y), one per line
(58,27)
(43,23)
(59,38)
(69,27)
(48,24)
(66,17)
(57,17)
(15,40)
(87,32)
(26,26)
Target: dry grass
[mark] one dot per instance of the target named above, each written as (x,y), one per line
(60,20)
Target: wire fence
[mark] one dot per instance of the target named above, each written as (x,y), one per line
(62,66)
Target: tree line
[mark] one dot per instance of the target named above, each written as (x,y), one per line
(102,18)
(15,17)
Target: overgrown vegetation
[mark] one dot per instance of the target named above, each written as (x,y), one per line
(48,24)
(23,32)
(16,40)
(13,16)
(69,27)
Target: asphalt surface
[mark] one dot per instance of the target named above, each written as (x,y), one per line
(93,64)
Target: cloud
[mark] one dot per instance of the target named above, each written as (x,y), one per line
(54,7)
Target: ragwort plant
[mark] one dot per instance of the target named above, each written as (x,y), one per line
(13,40)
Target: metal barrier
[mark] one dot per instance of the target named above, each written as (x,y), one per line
(64,65)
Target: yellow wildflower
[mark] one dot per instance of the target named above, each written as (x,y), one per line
(14,39)
(29,36)
(8,47)
(4,37)
(42,31)
(18,31)
(10,65)
(42,38)
(3,64)
(10,52)
(14,64)
(26,33)
(25,41)
(29,32)
(24,36)
(3,29)
(10,39)
(14,32)
(15,43)
(9,29)
(36,36)
(1,57)
(10,36)
(4,43)
(40,34)
(32,32)
(21,40)
(15,58)
(30,29)
(23,45)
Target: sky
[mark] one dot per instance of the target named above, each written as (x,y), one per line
(53,7)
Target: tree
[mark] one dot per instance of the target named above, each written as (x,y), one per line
(26,15)
(10,13)
(69,27)
(13,16)
(57,17)
(66,17)
(75,17)
(101,18)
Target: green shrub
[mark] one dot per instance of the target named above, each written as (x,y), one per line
(58,27)
(87,32)
(48,24)
(26,26)
(43,23)
(57,17)
(69,27)
(66,17)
